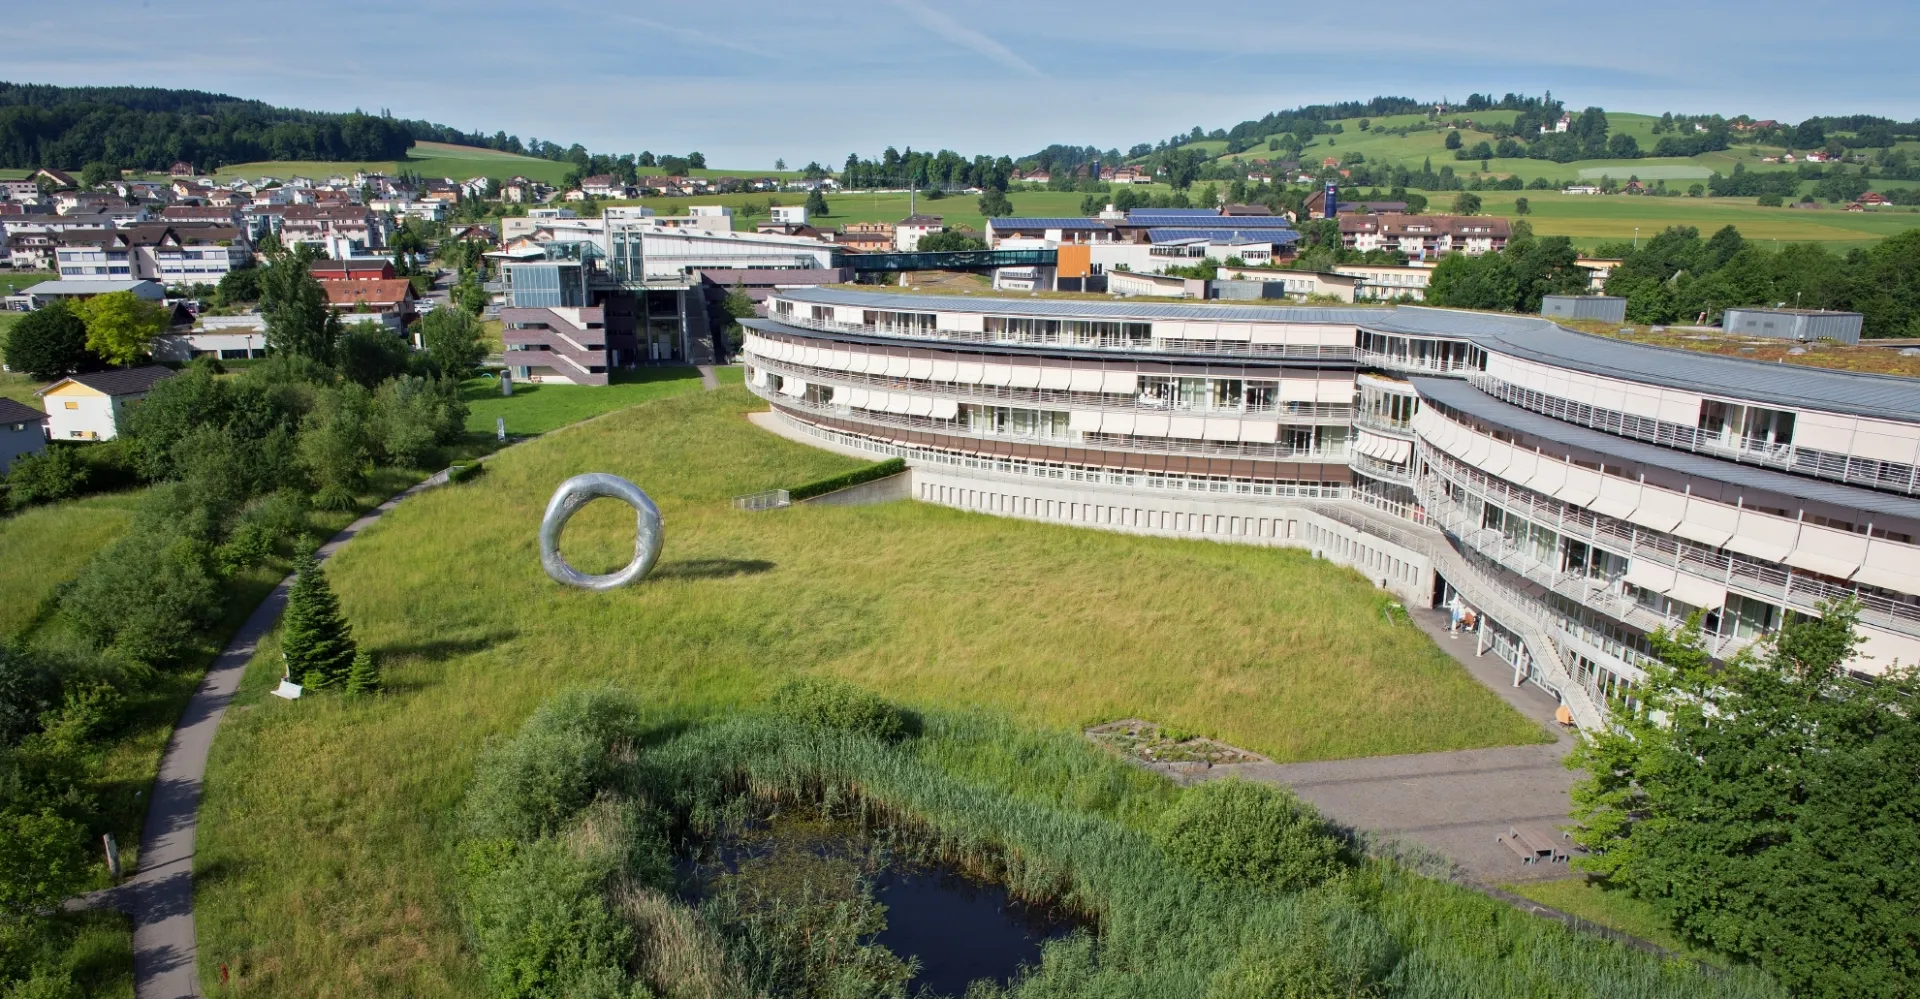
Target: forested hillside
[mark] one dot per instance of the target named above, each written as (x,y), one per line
(152,128)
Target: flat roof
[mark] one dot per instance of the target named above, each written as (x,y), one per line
(81,287)
(1211,362)
(1528,337)
(1467,399)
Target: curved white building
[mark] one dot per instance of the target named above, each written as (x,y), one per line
(1576,491)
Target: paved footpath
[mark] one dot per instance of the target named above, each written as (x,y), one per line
(1453,804)
(159,896)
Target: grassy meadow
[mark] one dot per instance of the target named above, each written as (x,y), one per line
(323,835)
(42,547)
(429,159)
(537,409)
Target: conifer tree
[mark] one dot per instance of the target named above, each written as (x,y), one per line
(364,676)
(315,640)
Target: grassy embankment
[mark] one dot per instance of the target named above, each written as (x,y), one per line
(44,547)
(429,159)
(324,823)
(1613,908)
(537,409)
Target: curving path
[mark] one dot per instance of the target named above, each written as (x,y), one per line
(159,896)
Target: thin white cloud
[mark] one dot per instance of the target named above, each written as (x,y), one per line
(965,37)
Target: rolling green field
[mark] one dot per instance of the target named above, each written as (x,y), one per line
(429,159)
(322,839)
(1594,219)
(537,409)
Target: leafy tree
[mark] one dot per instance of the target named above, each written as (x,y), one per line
(97,174)
(1765,805)
(299,319)
(43,861)
(952,242)
(412,415)
(1483,282)
(337,443)
(1453,139)
(315,640)
(1522,207)
(48,343)
(454,342)
(1466,203)
(121,325)
(370,354)
(994,204)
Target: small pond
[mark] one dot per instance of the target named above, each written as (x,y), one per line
(958,928)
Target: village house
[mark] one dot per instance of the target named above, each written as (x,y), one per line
(23,432)
(88,407)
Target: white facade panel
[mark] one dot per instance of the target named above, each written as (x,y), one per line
(1119,382)
(1189,427)
(1085,380)
(1222,430)
(1827,551)
(1660,509)
(1056,378)
(1618,497)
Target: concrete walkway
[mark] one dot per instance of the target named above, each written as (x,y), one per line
(707,379)
(159,896)
(1453,804)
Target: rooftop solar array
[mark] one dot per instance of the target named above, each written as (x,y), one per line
(1075,222)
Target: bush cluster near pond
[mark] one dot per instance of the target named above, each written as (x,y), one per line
(567,874)
(326,821)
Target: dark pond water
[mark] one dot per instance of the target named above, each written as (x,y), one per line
(958,928)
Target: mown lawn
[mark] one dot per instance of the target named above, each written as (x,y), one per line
(537,409)
(322,840)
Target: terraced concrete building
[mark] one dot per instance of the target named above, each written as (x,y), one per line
(1576,492)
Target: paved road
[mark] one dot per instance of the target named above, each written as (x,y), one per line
(1453,804)
(159,897)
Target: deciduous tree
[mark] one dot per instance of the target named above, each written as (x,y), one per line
(121,325)
(48,343)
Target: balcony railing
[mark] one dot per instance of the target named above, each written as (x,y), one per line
(1367,464)
(1143,345)
(1339,414)
(1099,441)
(1772,583)
(1382,424)
(1129,480)
(1865,472)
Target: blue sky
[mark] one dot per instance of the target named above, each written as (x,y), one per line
(746,81)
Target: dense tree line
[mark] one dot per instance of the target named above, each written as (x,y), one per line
(151,129)
(1511,280)
(921,170)
(1678,277)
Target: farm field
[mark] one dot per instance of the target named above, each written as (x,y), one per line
(323,833)
(430,159)
(1593,219)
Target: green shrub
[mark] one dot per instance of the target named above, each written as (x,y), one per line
(152,594)
(52,475)
(1234,831)
(877,470)
(833,704)
(540,922)
(534,783)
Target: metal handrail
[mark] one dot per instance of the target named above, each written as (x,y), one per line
(1149,345)
(1105,442)
(1339,414)
(1735,571)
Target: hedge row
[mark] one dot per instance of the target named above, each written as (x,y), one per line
(820,487)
